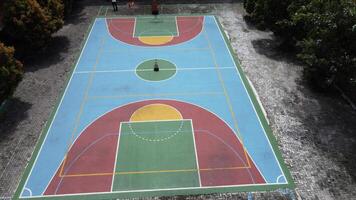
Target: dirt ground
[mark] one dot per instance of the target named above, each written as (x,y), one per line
(316,132)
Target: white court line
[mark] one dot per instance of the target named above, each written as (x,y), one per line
(59,105)
(121,51)
(167,120)
(29,190)
(99,11)
(195,150)
(157,95)
(134,70)
(177,29)
(106,11)
(280,176)
(232,58)
(153,190)
(117,149)
(134,28)
(258,99)
(150,17)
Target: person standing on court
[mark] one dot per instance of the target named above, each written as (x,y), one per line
(114,4)
(154,8)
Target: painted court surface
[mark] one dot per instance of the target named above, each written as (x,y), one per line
(123,130)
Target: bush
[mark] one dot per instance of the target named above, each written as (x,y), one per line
(30,23)
(10,71)
(329,45)
(322,31)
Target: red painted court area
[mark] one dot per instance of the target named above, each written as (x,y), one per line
(89,164)
(123,30)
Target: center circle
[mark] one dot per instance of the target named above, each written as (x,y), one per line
(166,70)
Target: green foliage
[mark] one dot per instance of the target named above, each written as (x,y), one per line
(329,47)
(10,71)
(322,31)
(30,23)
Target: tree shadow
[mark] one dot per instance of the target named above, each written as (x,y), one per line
(16,111)
(332,130)
(275,50)
(76,14)
(52,55)
(251,24)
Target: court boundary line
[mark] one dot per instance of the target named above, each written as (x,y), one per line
(163,189)
(270,137)
(145,16)
(258,99)
(132,70)
(106,11)
(134,28)
(195,150)
(158,95)
(177,27)
(47,127)
(116,154)
(63,162)
(54,174)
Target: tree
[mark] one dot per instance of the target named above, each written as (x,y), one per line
(328,47)
(323,33)
(68,6)
(10,71)
(30,23)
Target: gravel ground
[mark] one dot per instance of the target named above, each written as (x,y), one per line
(316,132)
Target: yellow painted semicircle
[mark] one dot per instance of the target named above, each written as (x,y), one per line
(155,40)
(156,112)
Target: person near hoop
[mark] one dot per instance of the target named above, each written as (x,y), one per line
(154,8)
(114,4)
(131,3)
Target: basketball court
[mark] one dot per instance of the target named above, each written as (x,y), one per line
(123,129)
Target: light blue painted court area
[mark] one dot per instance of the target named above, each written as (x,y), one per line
(105,78)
